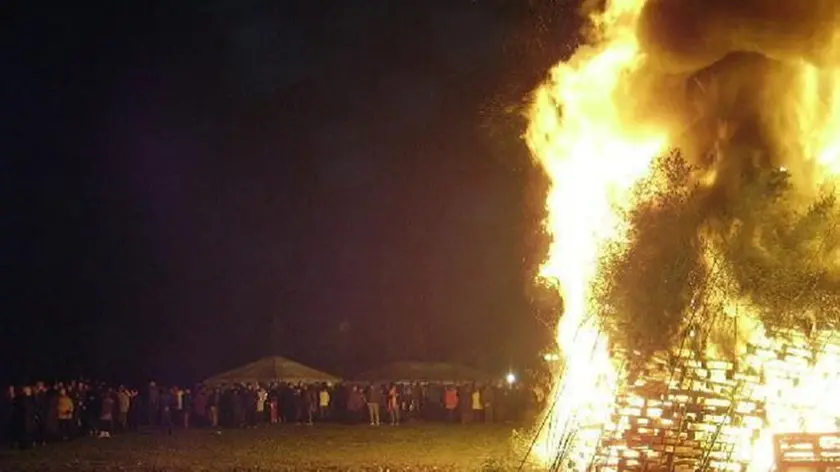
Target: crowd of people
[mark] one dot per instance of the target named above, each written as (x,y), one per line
(41,413)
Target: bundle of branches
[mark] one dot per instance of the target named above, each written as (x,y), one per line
(646,287)
(783,256)
(689,250)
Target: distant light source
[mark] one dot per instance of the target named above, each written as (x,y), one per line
(783,169)
(551,357)
(510,378)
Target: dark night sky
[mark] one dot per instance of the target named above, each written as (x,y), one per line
(189,185)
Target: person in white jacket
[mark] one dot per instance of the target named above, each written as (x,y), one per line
(262,396)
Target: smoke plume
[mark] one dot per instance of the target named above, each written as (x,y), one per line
(731,70)
(689,35)
(725,74)
(737,62)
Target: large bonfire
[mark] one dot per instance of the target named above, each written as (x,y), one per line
(692,148)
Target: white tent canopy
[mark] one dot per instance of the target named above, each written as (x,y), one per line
(272,369)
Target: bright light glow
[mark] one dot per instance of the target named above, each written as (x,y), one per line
(551,357)
(510,378)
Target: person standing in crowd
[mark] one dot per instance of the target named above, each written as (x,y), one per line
(450,402)
(106,415)
(503,403)
(214,401)
(177,405)
(339,403)
(305,405)
(249,404)
(24,420)
(77,393)
(418,400)
(133,410)
(42,412)
(199,406)
(248,398)
(165,403)
(394,405)
(153,403)
(262,396)
(464,403)
(284,396)
(186,408)
(238,400)
(323,403)
(123,406)
(374,401)
(64,412)
(50,413)
(477,405)
(312,401)
(93,408)
(489,403)
(6,405)
(273,406)
(406,402)
(296,403)
(355,405)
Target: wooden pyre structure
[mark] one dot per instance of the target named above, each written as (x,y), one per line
(690,412)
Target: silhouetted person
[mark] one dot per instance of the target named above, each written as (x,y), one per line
(374,401)
(50,413)
(355,405)
(6,405)
(166,402)
(153,403)
(24,422)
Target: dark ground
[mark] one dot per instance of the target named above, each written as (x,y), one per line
(333,448)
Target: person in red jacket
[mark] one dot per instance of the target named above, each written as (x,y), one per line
(450,402)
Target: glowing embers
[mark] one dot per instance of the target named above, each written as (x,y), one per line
(681,418)
(815,450)
(800,382)
(701,413)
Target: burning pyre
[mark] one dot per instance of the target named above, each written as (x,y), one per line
(693,149)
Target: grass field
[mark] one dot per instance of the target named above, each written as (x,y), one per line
(286,447)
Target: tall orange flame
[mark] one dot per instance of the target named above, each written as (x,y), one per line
(593,158)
